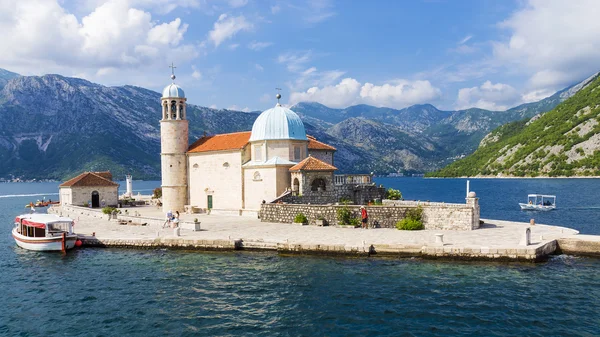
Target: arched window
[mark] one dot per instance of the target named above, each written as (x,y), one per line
(318,185)
(173,109)
(296,187)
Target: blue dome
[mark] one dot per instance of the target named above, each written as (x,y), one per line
(173,90)
(278,123)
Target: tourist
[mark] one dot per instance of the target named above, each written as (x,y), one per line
(176,219)
(364,216)
(168,220)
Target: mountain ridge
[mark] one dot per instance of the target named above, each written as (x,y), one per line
(66,125)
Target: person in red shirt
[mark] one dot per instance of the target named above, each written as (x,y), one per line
(364,216)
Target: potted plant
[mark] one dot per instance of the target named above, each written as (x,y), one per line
(196,225)
(300,219)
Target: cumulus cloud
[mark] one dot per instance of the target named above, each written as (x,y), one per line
(488,96)
(553,42)
(42,34)
(397,94)
(196,74)
(227,27)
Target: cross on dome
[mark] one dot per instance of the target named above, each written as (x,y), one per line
(172,66)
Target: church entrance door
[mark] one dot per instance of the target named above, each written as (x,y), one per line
(209,201)
(95,199)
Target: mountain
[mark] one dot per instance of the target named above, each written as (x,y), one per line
(562,142)
(54,127)
(6,76)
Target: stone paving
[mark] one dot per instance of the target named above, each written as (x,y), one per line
(501,238)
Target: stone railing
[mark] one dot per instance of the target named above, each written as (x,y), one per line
(76,212)
(436,216)
(352,179)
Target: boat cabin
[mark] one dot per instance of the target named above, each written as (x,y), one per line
(541,199)
(43,225)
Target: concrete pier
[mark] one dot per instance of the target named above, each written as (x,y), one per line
(495,240)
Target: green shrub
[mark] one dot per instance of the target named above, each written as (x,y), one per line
(344,215)
(409,225)
(413,220)
(354,222)
(300,218)
(393,194)
(108,210)
(345,200)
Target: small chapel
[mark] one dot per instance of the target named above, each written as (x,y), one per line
(237,172)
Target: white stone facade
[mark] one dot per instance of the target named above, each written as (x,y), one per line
(81,196)
(217,174)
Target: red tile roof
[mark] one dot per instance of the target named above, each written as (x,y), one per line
(312,164)
(90,179)
(314,144)
(225,141)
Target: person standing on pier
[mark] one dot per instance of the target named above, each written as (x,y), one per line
(364,216)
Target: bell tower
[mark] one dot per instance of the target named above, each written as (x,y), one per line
(173,147)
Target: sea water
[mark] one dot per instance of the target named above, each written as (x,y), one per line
(116,292)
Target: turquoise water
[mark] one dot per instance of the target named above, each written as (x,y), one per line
(112,292)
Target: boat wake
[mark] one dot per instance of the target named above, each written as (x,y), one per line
(25,195)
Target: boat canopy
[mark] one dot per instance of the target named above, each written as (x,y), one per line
(541,195)
(41,220)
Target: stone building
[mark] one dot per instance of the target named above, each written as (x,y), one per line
(96,188)
(237,172)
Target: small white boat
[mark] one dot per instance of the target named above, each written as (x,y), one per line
(44,232)
(539,202)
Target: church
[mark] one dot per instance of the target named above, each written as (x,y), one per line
(236,172)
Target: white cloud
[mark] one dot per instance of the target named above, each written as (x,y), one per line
(465,39)
(246,109)
(295,61)
(258,67)
(213,106)
(158,6)
(554,43)
(275,9)
(488,96)
(254,45)
(397,94)
(226,27)
(196,74)
(238,3)
(167,33)
(233,46)
(44,36)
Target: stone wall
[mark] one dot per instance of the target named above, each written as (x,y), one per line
(80,196)
(358,194)
(436,216)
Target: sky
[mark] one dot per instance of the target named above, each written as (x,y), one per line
(234,53)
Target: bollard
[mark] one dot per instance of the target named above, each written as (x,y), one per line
(526,238)
(93,233)
(439,239)
(532,222)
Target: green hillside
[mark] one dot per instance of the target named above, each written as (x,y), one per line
(562,142)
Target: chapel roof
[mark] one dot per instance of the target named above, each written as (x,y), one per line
(314,144)
(278,123)
(173,91)
(312,164)
(221,142)
(90,179)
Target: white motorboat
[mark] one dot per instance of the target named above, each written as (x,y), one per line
(44,232)
(539,202)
